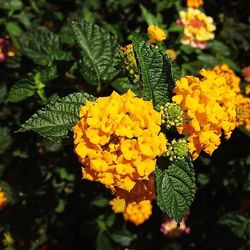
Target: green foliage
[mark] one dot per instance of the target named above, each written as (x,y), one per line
(33,83)
(155,69)
(43,47)
(5,139)
(56,118)
(238,223)
(175,188)
(98,50)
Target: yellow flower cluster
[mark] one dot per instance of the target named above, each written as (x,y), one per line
(194,3)
(243,111)
(232,80)
(156,33)
(3,199)
(118,139)
(136,212)
(198,28)
(209,104)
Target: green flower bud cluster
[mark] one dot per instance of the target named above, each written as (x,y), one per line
(172,115)
(177,149)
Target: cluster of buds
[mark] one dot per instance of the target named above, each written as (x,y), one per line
(172,115)
(177,149)
(6,49)
(130,61)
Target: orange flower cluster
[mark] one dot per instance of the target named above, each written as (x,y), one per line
(231,78)
(209,105)
(136,212)
(118,139)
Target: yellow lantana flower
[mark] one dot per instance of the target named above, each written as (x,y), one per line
(209,105)
(198,28)
(138,212)
(232,79)
(156,33)
(194,3)
(118,139)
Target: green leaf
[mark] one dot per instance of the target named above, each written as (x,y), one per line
(98,50)
(175,188)
(149,17)
(155,70)
(238,223)
(8,192)
(56,118)
(43,47)
(13,29)
(123,237)
(21,90)
(31,84)
(100,201)
(11,5)
(5,139)
(103,242)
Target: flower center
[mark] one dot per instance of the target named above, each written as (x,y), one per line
(196,23)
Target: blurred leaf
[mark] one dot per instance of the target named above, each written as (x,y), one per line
(148,17)
(8,192)
(5,139)
(56,118)
(238,223)
(123,237)
(218,48)
(208,60)
(3,91)
(175,188)
(60,207)
(103,242)
(98,50)
(155,70)
(13,29)
(11,5)
(100,201)
(174,27)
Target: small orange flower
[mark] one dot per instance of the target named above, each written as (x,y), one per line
(3,199)
(156,33)
(246,73)
(194,3)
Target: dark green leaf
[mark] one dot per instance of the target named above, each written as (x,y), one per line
(175,188)
(238,223)
(98,50)
(5,139)
(43,47)
(156,72)
(103,242)
(21,90)
(123,237)
(56,118)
